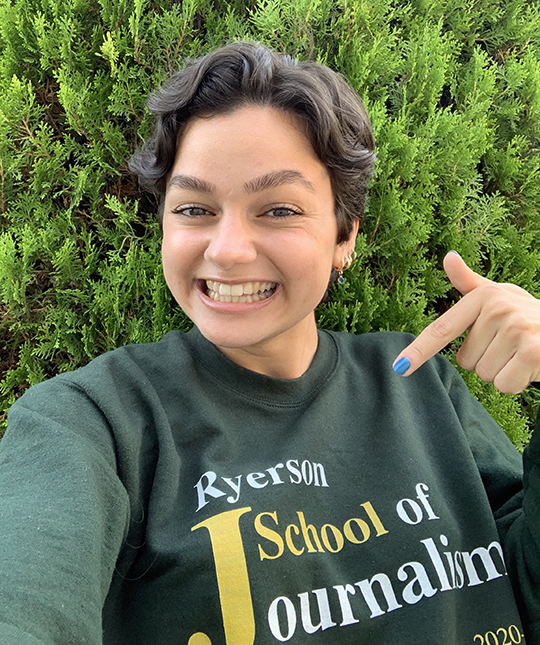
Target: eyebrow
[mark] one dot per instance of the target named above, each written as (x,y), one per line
(277,178)
(270,180)
(192,183)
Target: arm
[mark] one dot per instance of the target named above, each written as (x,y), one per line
(64,516)
(514,498)
(502,346)
(520,533)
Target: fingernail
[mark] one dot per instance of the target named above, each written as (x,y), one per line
(401,366)
(452,251)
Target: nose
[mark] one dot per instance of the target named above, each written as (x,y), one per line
(232,241)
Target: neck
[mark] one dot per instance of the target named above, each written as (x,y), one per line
(286,356)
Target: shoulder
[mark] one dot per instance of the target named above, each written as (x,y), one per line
(128,372)
(381,342)
(374,346)
(377,351)
(173,346)
(121,398)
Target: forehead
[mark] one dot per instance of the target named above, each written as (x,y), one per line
(261,134)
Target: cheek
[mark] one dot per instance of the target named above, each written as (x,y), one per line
(170,276)
(166,257)
(174,260)
(313,277)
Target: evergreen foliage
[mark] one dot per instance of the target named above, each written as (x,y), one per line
(453,90)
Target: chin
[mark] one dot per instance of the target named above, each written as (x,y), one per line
(233,340)
(235,336)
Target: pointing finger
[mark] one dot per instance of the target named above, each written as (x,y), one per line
(451,324)
(437,335)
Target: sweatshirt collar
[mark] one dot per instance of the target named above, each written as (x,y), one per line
(259,387)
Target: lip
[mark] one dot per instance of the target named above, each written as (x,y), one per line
(233,307)
(245,281)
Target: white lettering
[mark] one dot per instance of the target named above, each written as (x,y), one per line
(403,514)
(421,490)
(421,578)
(319,470)
(273,619)
(274,475)
(487,561)
(460,576)
(437,562)
(294,471)
(236,488)
(344,603)
(366,587)
(324,611)
(202,491)
(253,480)
(378,592)
(307,472)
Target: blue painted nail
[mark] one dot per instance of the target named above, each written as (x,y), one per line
(402,366)
(452,251)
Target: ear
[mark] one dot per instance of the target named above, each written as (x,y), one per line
(344,249)
(354,232)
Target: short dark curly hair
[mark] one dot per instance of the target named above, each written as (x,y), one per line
(333,116)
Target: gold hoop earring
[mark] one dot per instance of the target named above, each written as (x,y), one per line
(346,264)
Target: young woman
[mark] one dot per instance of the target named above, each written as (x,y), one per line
(257,480)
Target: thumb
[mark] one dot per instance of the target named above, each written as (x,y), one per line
(459,274)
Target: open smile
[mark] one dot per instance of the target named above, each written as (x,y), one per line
(246,292)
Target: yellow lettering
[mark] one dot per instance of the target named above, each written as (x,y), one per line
(199,639)
(306,530)
(268,534)
(337,537)
(349,533)
(377,524)
(232,579)
(290,543)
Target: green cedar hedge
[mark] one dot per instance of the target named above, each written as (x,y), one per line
(453,89)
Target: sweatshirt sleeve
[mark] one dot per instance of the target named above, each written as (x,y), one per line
(63,517)
(512,484)
(520,528)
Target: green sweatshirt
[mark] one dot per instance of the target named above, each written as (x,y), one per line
(163,495)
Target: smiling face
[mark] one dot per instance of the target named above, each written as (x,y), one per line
(249,235)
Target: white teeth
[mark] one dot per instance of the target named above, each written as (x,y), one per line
(247,292)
